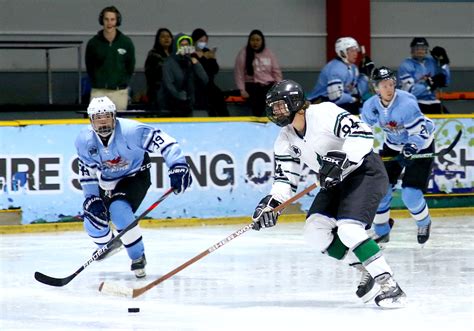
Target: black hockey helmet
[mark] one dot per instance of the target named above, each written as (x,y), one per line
(382,73)
(292,95)
(419,42)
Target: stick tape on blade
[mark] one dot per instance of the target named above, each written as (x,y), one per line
(115,289)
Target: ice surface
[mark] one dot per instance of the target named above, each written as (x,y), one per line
(267,280)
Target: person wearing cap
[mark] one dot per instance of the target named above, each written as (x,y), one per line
(424,74)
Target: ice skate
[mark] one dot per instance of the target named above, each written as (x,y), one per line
(116,247)
(391,295)
(423,233)
(138,266)
(367,288)
(383,239)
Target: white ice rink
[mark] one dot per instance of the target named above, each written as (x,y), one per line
(267,280)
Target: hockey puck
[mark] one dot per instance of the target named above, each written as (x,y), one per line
(133,310)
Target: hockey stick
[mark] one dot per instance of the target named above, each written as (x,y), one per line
(52,281)
(115,289)
(442,152)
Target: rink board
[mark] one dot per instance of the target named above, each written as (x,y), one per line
(231,160)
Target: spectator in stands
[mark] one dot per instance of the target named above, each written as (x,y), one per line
(256,70)
(422,74)
(154,64)
(110,59)
(181,73)
(341,81)
(208,97)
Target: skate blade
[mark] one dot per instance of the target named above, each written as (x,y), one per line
(140,273)
(369,296)
(393,303)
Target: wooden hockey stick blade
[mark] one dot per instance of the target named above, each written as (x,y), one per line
(442,152)
(118,290)
(52,281)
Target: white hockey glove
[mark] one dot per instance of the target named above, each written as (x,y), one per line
(264,216)
(332,166)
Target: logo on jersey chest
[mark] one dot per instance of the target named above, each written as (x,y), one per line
(116,164)
(393,126)
(295,150)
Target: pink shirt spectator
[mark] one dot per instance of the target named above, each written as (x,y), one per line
(266,69)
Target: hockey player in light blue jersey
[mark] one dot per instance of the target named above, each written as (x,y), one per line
(407,132)
(422,74)
(340,81)
(114,172)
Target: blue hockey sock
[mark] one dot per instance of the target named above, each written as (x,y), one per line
(424,222)
(381,229)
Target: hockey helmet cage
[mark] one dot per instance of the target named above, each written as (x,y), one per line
(101,112)
(342,44)
(283,101)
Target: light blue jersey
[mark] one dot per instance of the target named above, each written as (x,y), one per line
(402,121)
(412,76)
(124,155)
(338,82)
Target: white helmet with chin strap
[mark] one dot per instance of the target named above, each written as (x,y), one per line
(344,43)
(101,112)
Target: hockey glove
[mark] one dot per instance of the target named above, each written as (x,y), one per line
(440,55)
(405,155)
(366,66)
(180,177)
(96,212)
(332,166)
(264,216)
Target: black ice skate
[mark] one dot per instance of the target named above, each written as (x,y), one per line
(114,248)
(138,266)
(386,237)
(391,295)
(367,288)
(423,233)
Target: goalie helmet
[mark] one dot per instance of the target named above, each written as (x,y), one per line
(101,112)
(342,44)
(283,101)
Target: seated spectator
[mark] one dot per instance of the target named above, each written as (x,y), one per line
(256,70)
(209,97)
(181,72)
(340,81)
(422,74)
(154,64)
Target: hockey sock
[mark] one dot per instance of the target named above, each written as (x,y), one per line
(367,250)
(337,249)
(423,222)
(381,229)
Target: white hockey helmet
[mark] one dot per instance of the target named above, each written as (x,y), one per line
(101,112)
(344,43)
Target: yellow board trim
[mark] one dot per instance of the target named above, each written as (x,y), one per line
(189,222)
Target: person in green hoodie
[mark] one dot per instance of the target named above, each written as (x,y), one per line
(110,59)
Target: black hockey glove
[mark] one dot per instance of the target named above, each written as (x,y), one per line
(440,55)
(96,212)
(264,216)
(405,155)
(180,177)
(332,166)
(438,80)
(366,66)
